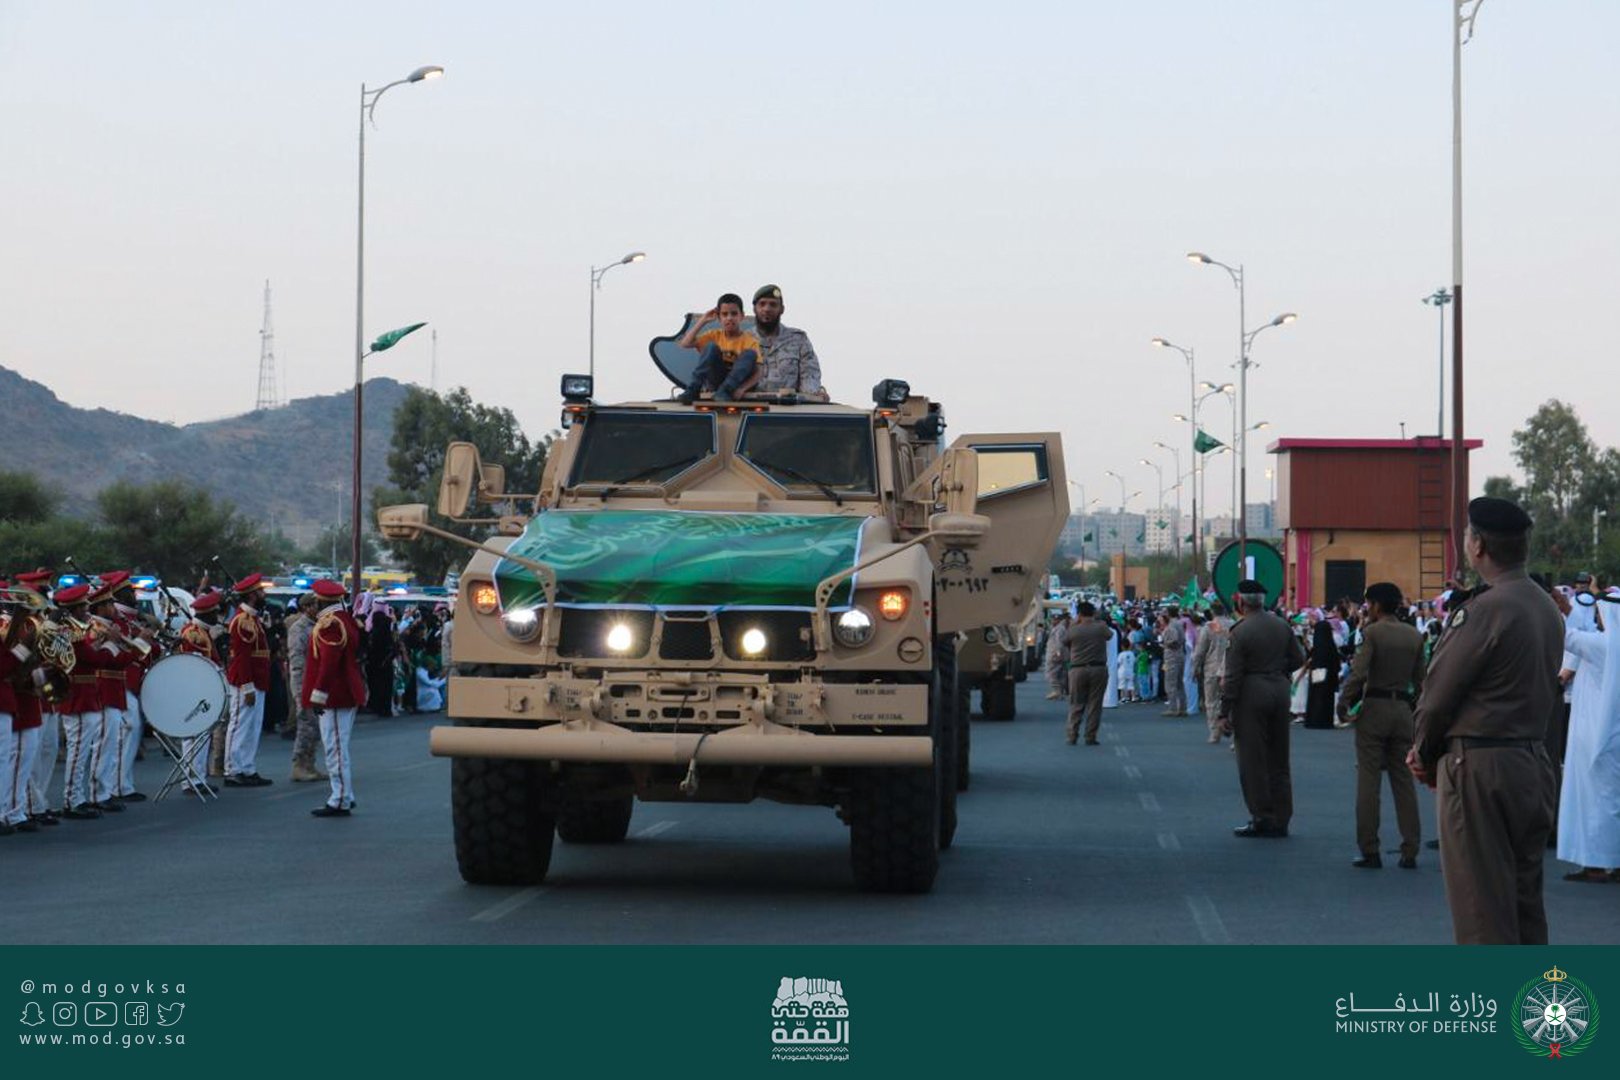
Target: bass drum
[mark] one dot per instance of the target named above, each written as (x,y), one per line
(183,695)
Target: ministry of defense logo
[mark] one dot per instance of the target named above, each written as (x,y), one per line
(1557,1013)
(810,1020)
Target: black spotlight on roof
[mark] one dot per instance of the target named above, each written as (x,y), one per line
(577,388)
(891,393)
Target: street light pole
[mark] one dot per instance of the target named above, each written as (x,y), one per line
(1461,21)
(1158,507)
(368,109)
(597,274)
(1440,298)
(1176,453)
(1192,398)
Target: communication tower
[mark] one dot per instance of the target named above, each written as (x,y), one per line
(267,360)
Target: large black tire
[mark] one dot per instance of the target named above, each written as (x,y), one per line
(503,824)
(964,747)
(894,829)
(595,821)
(1019,668)
(948,744)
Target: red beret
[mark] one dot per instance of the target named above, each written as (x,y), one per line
(34,577)
(114,579)
(249,583)
(327,589)
(73,594)
(208,601)
(101,595)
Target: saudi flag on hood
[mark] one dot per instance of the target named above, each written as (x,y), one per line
(681,559)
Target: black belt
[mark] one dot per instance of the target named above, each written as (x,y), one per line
(1476,742)
(1388,695)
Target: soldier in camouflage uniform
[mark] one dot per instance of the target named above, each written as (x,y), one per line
(787,360)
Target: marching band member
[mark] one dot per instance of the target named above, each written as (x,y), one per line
(48,738)
(14,655)
(334,689)
(121,652)
(81,712)
(126,610)
(247,676)
(197,637)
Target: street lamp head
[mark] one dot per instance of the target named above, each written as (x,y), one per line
(1143,461)
(1159,343)
(429,71)
(1111,472)
(1197,257)
(634,257)
(1207,385)
(1224,388)
(1178,417)
(1284,319)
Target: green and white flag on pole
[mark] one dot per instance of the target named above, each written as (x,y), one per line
(1204,443)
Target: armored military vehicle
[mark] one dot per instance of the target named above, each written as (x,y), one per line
(730,601)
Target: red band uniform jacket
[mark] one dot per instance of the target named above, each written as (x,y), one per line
(249,663)
(332,678)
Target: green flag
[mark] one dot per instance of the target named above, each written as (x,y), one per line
(1161,524)
(389,340)
(1190,596)
(1141,536)
(1203,444)
(1086,539)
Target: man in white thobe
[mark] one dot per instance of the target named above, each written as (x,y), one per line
(1589,806)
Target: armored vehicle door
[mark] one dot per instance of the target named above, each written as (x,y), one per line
(1023,491)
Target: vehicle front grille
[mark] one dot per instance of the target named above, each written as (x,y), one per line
(584,632)
(686,639)
(787,634)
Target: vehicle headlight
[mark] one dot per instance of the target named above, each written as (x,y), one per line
(754,641)
(484,598)
(620,638)
(853,628)
(522,624)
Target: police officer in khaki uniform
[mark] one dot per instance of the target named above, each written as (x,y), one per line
(1260,655)
(1087,641)
(1491,686)
(1385,678)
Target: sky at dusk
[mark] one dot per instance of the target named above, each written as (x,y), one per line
(990,201)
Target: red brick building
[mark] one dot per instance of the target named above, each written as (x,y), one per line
(1355,511)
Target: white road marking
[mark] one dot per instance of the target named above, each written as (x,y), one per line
(1150,801)
(1122,751)
(507,906)
(1208,920)
(653,830)
(1169,841)
(1133,773)
(417,765)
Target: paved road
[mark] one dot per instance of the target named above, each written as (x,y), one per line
(1128,842)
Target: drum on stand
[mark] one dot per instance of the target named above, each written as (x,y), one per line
(182,698)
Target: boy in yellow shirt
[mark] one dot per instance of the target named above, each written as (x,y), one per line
(730,356)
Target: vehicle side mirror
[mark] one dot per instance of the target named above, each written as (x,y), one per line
(402,522)
(959,481)
(461,466)
(959,530)
(491,483)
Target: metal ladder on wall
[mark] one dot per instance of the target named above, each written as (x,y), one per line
(1434,481)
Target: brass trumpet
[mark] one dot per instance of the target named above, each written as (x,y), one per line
(48,674)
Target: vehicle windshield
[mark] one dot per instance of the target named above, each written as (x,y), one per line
(641,447)
(819,452)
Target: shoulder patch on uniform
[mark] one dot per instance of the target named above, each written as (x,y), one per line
(1457,618)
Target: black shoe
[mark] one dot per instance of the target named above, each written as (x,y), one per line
(686,397)
(82,812)
(133,796)
(1408,862)
(27,826)
(330,811)
(7,830)
(255,780)
(1092,742)
(233,780)
(1433,845)
(108,806)
(1368,862)
(1255,831)
(47,817)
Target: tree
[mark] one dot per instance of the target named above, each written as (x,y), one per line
(50,542)
(174,530)
(332,548)
(24,499)
(1555,453)
(425,423)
